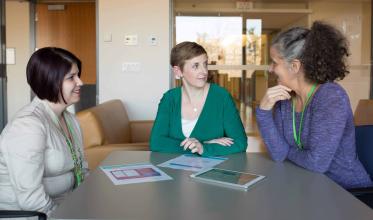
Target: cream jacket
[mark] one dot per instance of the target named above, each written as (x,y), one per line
(36,166)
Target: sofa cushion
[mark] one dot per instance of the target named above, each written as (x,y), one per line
(114,121)
(93,134)
(140,130)
(106,128)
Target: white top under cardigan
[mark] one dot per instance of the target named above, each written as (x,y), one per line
(36,166)
(187,126)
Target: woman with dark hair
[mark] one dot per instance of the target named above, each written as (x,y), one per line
(311,123)
(198,117)
(41,153)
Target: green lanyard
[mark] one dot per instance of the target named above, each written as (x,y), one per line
(76,152)
(78,163)
(297,134)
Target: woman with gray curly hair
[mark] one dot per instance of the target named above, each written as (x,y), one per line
(307,117)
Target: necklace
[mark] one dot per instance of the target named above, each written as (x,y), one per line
(194,107)
(295,133)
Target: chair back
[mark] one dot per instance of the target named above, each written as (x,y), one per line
(9,214)
(364,112)
(93,133)
(364,146)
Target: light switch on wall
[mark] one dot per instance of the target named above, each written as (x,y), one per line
(107,37)
(10,56)
(131,67)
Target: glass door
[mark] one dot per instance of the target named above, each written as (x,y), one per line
(236,56)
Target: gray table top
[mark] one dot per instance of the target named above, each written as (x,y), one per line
(288,192)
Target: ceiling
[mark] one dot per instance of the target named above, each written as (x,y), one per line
(272,1)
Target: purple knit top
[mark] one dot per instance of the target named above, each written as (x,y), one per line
(328,136)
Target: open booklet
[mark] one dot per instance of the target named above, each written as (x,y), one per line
(134,173)
(228,178)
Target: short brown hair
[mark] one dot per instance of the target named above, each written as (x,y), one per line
(46,70)
(185,51)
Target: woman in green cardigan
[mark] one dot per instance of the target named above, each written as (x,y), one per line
(198,117)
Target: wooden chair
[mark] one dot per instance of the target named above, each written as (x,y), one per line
(364,112)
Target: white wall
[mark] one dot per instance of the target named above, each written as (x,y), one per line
(140,91)
(18,37)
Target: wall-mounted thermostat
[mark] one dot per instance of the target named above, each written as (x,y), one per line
(130,40)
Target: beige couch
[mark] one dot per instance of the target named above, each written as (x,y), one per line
(106,128)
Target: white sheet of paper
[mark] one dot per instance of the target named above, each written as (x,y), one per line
(134,173)
(192,162)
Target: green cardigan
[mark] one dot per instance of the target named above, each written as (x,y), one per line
(219,118)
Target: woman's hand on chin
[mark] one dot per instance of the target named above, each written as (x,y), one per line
(273,95)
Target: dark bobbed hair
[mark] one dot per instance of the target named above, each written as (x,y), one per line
(322,50)
(185,51)
(46,70)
